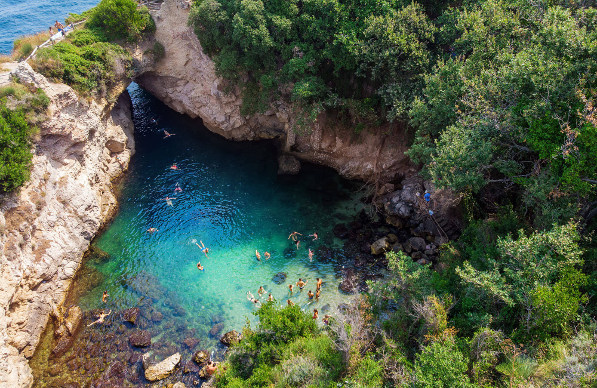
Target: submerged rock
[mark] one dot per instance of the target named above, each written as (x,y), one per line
(340,231)
(131,315)
(279,278)
(201,357)
(232,337)
(140,338)
(190,342)
(216,329)
(162,369)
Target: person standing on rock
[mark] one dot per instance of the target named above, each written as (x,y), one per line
(105,296)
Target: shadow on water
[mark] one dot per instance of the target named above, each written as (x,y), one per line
(226,195)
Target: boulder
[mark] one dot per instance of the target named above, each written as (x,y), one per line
(397,248)
(130,315)
(394,221)
(349,283)
(73,319)
(162,369)
(115,146)
(62,345)
(380,246)
(232,337)
(201,357)
(417,243)
(288,165)
(279,278)
(392,238)
(423,261)
(140,338)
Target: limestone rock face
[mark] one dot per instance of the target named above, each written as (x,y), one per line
(162,369)
(46,225)
(185,79)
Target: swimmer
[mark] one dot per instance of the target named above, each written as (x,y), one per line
(290,303)
(297,243)
(101,318)
(257,255)
(203,248)
(301,283)
(153,120)
(294,235)
(261,291)
(317,293)
(315,314)
(319,283)
(151,230)
(251,298)
(290,287)
(314,235)
(310,294)
(310,255)
(174,167)
(105,296)
(266,255)
(167,134)
(177,187)
(199,266)
(168,200)
(270,298)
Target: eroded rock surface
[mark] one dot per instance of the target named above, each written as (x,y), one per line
(46,226)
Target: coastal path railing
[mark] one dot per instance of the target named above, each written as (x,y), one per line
(55,38)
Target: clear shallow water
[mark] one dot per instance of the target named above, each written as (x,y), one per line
(25,17)
(233,200)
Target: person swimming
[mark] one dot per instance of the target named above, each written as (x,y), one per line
(270,298)
(257,255)
(301,283)
(177,187)
(151,230)
(203,248)
(294,235)
(290,303)
(314,235)
(310,294)
(174,167)
(266,255)
(168,200)
(105,296)
(326,319)
(168,134)
(310,255)
(199,266)
(317,293)
(261,291)
(101,318)
(252,299)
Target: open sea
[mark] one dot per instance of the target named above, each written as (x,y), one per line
(25,17)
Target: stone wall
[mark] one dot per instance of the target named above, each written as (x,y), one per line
(48,224)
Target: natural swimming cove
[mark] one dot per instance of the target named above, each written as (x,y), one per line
(234,202)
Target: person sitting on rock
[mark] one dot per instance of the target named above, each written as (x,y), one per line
(199,266)
(203,248)
(310,294)
(101,318)
(301,284)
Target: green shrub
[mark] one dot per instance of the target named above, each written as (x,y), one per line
(120,20)
(15,147)
(441,365)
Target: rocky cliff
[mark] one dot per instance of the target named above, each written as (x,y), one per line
(185,79)
(47,226)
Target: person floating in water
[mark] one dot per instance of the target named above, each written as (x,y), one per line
(317,293)
(314,235)
(252,299)
(266,255)
(261,291)
(203,248)
(154,121)
(174,167)
(168,134)
(168,200)
(310,294)
(319,283)
(177,187)
(290,288)
(199,266)
(290,303)
(105,296)
(101,318)
(151,230)
(301,284)
(315,314)
(270,298)
(310,255)
(257,255)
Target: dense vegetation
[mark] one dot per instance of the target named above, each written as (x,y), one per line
(499,96)
(21,109)
(92,59)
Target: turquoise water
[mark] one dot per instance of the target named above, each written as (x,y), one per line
(235,203)
(19,17)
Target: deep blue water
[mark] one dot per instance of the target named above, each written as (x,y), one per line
(24,17)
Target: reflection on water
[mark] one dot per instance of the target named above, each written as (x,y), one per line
(230,199)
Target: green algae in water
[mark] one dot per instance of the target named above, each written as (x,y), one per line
(232,200)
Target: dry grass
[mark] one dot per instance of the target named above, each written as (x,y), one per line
(24,45)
